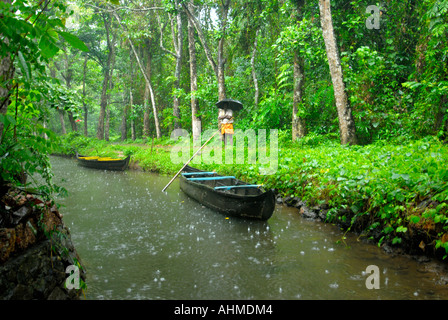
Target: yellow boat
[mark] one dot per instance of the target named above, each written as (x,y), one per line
(103,163)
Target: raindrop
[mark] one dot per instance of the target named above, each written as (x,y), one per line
(334,285)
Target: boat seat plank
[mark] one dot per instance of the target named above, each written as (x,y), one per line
(211,178)
(239,186)
(197,173)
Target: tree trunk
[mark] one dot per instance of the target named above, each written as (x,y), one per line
(154,110)
(208,53)
(72,121)
(124,129)
(218,65)
(146,113)
(177,37)
(111,86)
(146,95)
(60,112)
(148,82)
(347,127)
(106,127)
(254,73)
(68,82)
(298,122)
(84,104)
(179,49)
(61,119)
(6,74)
(221,59)
(227,138)
(103,104)
(131,98)
(195,119)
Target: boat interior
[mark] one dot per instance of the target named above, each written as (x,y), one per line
(226,184)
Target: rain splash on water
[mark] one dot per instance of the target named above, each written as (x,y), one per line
(139,243)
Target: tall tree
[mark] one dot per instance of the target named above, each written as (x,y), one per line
(195,119)
(84,104)
(145,76)
(177,38)
(254,70)
(298,120)
(218,64)
(347,127)
(106,70)
(111,86)
(148,56)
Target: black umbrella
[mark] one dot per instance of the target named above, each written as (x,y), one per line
(234,105)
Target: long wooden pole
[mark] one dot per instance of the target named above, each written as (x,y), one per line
(163,190)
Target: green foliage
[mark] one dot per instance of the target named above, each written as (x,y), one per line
(25,158)
(30,38)
(379,190)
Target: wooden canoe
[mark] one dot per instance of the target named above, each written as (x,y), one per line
(227,195)
(103,163)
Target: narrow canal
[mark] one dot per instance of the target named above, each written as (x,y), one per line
(139,243)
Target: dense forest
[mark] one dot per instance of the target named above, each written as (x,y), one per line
(141,69)
(366,81)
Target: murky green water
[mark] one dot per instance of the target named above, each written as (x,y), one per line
(139,243)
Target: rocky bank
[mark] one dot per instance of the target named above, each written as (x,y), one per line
(35,250)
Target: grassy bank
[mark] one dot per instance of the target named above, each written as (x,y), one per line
(394,193)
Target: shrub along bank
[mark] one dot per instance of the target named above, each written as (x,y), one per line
(392,193)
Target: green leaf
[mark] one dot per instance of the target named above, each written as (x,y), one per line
(414,219)
(47,46)
(24,66)
(7,119)
(74,41)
